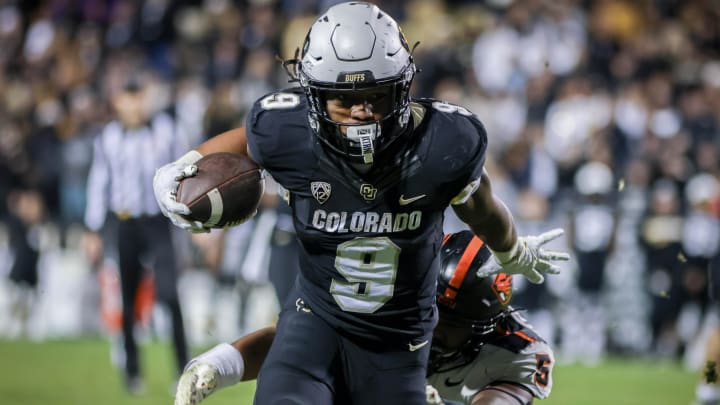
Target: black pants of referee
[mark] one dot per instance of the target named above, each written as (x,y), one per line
(149,237)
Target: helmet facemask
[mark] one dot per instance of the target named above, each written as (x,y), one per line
(478,331)
(361,141)
(471,306)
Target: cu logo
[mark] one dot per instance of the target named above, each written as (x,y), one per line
(368,192)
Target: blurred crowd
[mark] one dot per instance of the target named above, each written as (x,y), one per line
(603,118)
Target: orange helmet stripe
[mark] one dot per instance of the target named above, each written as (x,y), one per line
(463,266)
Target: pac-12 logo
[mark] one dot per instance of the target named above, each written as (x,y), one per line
(320,190)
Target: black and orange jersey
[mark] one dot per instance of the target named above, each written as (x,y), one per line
(513,354)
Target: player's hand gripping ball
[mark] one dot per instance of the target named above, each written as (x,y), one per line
(225,191)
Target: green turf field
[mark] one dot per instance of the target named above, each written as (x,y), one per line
(79,373)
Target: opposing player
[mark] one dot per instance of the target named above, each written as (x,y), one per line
(482,351)
(368,173)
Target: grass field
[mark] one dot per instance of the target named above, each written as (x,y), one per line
(79,373)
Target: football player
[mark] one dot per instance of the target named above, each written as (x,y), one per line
(483,352)
(368,172)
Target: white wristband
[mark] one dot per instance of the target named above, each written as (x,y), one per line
(504,257)
(228,361)
(191,157)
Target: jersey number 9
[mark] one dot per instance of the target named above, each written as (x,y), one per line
(369,266)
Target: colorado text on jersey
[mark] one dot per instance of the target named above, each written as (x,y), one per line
(369,222)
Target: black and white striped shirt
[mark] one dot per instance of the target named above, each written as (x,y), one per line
(124,163)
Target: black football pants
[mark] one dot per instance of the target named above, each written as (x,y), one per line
(310,363)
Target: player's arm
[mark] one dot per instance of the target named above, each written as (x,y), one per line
(254,348)
(224,365)
(168,177)
(489,218)
(503,394)
(233,141)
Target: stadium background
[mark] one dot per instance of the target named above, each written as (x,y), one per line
(602,118)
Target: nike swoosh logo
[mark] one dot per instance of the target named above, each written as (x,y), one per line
(406,201)
(418,346)
(449,383)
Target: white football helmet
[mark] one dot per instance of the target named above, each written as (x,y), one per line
(353,47)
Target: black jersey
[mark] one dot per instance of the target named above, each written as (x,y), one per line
(369,242)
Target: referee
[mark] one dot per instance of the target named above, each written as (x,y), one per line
(125,156)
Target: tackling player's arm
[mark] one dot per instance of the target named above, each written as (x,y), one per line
(503,394)
(223,365)
(254,348)
(489,218)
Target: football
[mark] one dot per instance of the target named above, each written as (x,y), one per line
(225,191)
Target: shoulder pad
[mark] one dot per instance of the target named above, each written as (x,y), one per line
(278,125)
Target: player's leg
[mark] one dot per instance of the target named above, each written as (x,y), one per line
(503,394)
(391,377)
(23,275)
(303,361)
(130,275)
(166,278)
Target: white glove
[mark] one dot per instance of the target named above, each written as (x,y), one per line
(432,396)
(165,184)
(219,367)
(527,258)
